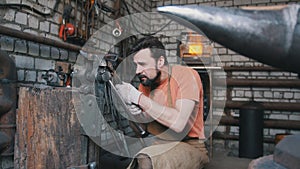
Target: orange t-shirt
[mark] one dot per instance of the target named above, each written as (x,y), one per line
(185,83)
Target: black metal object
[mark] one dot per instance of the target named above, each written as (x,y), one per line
(8,98)
(56,78)
(251,130)
(269,36)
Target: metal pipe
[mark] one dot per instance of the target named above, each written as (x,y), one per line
(268,36)
(6,126)
(281,83)
(235,137)
(280,106)
(39,39)
(268,123)
(250,68)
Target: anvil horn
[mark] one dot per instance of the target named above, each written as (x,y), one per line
(269,36)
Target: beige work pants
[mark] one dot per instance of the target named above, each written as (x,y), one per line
(191,154)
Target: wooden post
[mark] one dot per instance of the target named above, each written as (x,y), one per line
(49,134)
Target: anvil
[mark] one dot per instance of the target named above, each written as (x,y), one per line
(270,35)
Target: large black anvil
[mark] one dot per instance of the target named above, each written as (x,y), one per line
(270,36)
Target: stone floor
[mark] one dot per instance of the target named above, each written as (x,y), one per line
(221,160)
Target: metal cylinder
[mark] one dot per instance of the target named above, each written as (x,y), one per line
(251,130)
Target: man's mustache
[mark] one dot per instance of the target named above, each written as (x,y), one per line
(140,76)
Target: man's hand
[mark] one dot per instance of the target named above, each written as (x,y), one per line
(129,93)
(134,109)
(138,114)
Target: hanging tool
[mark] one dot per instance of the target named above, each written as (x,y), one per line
(66,28)
(117,32)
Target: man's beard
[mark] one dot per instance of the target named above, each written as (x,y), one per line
(152,83)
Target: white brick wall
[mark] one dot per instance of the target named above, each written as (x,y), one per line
(21,18)
(30,75)
(24,61)
(30,22)
(10,15)
(231,58)
(33,59)
(33,22)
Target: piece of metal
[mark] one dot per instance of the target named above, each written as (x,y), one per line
(269,36)
(55,78)
(251,130)
(117,32)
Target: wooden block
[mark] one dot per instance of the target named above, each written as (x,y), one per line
(48,132)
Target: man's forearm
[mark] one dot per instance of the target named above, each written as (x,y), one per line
(170,117)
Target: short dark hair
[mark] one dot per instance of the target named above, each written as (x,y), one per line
(156,47)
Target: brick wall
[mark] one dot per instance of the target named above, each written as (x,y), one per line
(223,3)
(34,59)
(230,58)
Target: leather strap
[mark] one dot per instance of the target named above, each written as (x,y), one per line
(170,104)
